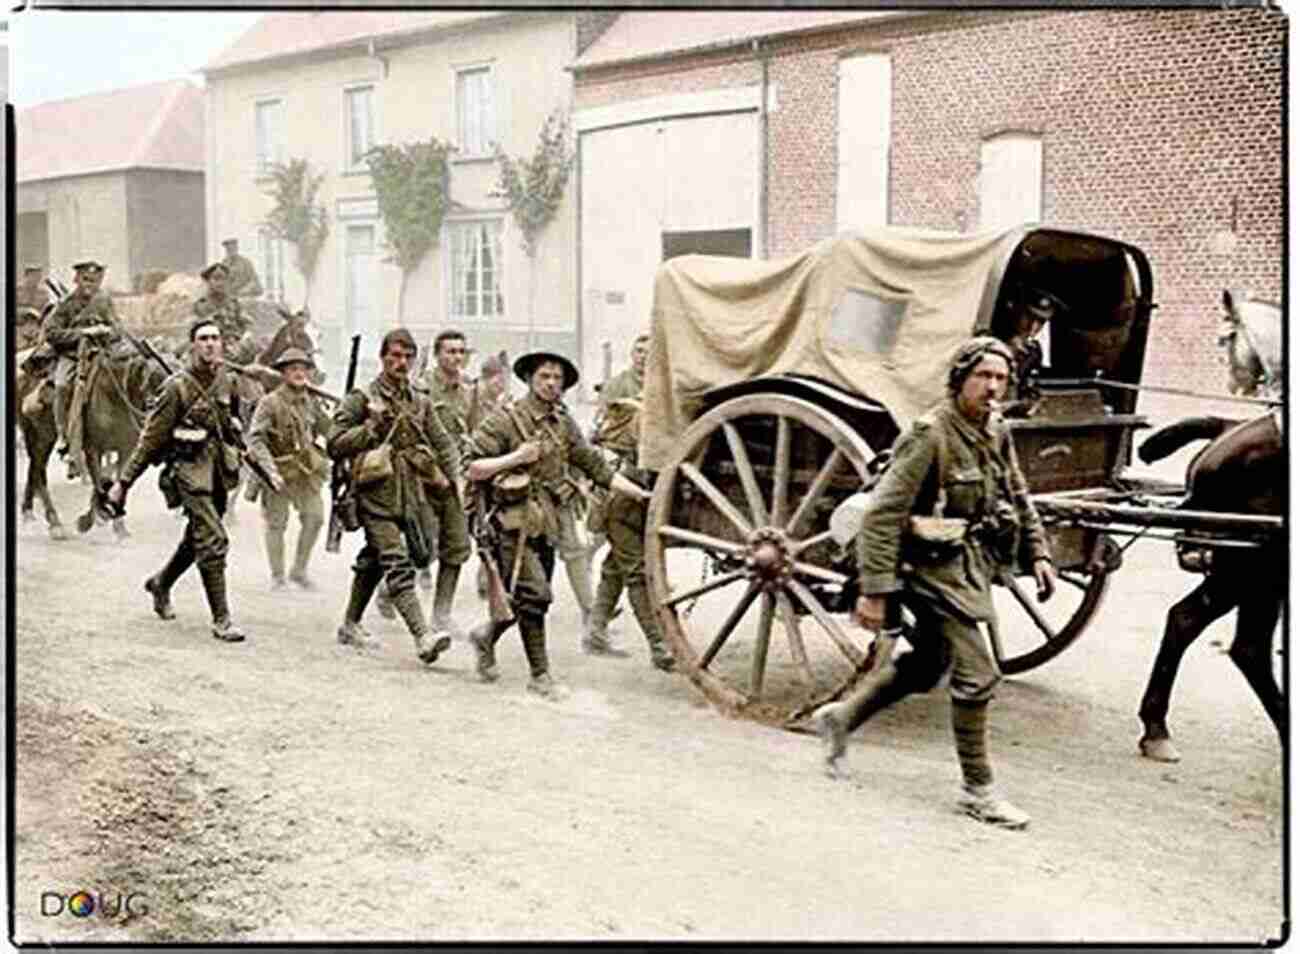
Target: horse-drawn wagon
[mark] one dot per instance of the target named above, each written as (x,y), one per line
(772,386)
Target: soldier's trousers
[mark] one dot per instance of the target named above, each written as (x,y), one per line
(204,544)
(626,529)
(305,497)
(577,560)
(385,555)
(65,381)
(446,526)
(532,591)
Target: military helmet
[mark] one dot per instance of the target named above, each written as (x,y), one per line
(88,265)
(526,365)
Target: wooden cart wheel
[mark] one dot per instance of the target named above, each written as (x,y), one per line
(740,514)
(1029,633)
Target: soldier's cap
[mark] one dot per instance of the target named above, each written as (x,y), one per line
(198,323)
(89,265)
(972,353)
(230,241)
(527,364)
(32,267)
(293,356)
(398,336)
(213,269)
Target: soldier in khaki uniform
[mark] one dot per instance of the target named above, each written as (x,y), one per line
(626,385)
(957,461)
(243,281)
(191,428)
(625,525)
(87,312)
(452,397)
(224,308)
(397,446)
(283,437)
(536,436)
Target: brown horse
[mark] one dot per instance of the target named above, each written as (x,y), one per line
(34,397)
(1242,470)
(119,384)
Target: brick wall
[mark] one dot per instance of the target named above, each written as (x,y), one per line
(1152,121)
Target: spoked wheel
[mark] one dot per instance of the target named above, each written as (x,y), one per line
(737,541)
(1029,633)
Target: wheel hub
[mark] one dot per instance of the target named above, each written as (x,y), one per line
(768,557)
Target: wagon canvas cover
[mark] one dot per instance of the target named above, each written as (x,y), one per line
(877,312)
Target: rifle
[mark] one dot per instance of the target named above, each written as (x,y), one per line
(270,378)
(236,436)
(501,614)
(339,477)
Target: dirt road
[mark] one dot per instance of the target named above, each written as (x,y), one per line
(289,789)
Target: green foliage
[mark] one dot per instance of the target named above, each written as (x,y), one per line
(412,184)
(295,217)
(534,187)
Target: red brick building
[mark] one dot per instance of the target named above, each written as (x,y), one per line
(1161,127)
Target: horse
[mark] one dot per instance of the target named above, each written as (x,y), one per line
(1242,470)
(1253,338)
(118,385)
(34,397)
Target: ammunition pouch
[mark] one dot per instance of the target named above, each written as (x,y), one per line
(187,442)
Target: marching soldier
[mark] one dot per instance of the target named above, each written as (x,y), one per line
(397,445)
(283,436)
(451,395)
(223,307)
(956,462)
(532,443)
(193,429)
(86,313)
(626,385)
(242,281)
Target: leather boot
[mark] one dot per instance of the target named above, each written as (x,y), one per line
(661,657)
(484,640)
(274,540)
(835,720)
(443,595)
(159,585)
(352,633)
(532,630)
(308,533)
(428,647)
(214,585)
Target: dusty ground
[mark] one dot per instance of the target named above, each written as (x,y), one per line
(288,789)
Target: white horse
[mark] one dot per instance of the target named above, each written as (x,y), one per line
(1254,342)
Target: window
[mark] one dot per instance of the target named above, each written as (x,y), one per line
(270,255)
(475,111)
(358,107)
(1011,180)
(862,176)
(476,277)
(270,134)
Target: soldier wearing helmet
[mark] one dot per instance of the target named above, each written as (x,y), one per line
(287,438)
